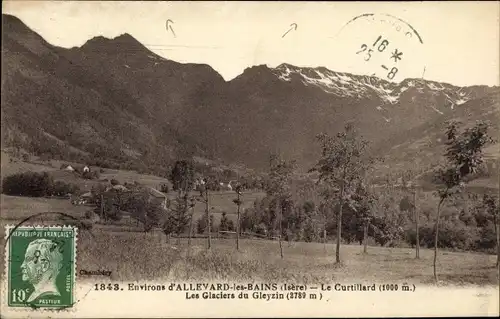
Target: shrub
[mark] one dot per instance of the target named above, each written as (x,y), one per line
(28,184)
(201,225)
(164,188)
(92,216)
(60,188)
(91,175)
(231,226)
(453,235)
(114,182)
(457,236)
(223,224)
(310,233)
(86,225)
(486,241)
(261,229)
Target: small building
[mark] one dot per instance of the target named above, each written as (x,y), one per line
(69,168)
(226,186)
(82,199)
(119,188)
(86,195)
(157,197)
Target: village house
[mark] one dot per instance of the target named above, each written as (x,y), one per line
(69,168)
(82,199)
(157,197)
(119,188)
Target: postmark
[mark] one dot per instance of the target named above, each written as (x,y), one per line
(40,267)
(383,46)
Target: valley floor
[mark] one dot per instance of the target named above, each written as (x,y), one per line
(134,256)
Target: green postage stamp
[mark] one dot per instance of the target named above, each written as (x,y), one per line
(41,266)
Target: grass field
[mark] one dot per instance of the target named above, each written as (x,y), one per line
(132,255)
(12,165)
(259,260)
(20,206)
(140,256)
(223,202)
(16,208)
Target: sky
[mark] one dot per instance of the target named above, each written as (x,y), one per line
(460,40)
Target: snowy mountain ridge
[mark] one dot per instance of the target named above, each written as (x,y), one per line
(366,87)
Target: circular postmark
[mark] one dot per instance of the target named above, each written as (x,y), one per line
(381,45)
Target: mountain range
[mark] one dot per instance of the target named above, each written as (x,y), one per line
(115,99)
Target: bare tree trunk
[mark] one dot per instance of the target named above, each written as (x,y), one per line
(102,209)
(209,224)
(238,223)
(339,222)
(497,218)
(324,240)
(436,238)
(497,232)
(365,236)
(417,226)
(190,227)
(279,229)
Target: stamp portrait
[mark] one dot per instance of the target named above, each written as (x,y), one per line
(41,266)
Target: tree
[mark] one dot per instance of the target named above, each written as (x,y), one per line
(178,217)
(182,176)
(28,184)
(342,162)
(192,204)
(492,207)
(182,179)
(464,156)
(238,203)
(208,183)
(407,205)
(363,204)
(137,203)
(278,188)
(224,222)
(35,184)
(202,224)
(107,205)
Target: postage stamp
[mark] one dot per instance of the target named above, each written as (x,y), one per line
(40,266)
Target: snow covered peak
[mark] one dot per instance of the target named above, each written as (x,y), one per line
(366,87)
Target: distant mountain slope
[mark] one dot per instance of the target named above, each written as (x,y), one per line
(114,99)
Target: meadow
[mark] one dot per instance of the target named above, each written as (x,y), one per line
(125,254)
(13,207)
(134,255)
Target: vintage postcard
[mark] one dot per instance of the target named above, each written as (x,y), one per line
(249,159)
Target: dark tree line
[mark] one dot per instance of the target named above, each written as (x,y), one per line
(34,184)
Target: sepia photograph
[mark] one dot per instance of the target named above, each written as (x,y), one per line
(250,159)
